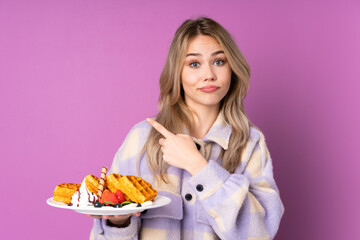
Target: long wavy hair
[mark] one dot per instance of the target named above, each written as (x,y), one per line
(176,116)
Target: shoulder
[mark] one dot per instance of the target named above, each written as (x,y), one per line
(256,135)
(140,130)
(134,140)
(126,156)
(257,140)
(254,154)
(142,126)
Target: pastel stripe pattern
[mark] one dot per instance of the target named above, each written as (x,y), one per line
(213,204)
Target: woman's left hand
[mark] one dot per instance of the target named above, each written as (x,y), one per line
(179,150)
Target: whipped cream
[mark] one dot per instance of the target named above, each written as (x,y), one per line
(83,197)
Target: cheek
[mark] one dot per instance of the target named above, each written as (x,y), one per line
(188,79)
(227,82)
(224,75)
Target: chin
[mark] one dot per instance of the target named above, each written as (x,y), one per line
(212,101)
(209,101)
(210,104)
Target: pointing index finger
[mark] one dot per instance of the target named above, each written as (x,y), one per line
(160,128)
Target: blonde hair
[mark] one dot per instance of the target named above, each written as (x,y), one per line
(175,116)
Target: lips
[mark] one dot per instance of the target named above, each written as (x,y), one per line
(209,89)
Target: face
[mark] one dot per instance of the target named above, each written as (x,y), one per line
(206,73)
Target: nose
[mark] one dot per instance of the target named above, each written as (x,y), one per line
(209,74)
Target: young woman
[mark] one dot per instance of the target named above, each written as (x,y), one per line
(201,150)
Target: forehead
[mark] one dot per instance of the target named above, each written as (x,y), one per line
(203,44)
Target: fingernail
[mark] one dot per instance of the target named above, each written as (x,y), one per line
(148,119)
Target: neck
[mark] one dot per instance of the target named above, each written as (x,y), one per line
(204,118)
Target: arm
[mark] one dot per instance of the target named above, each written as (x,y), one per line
(103,230)
(124,162)
(246,203)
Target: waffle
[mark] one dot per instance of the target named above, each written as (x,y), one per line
(64,191)
(137,189)
(113,184)
(92,183)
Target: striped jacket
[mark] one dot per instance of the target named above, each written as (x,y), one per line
(242,205)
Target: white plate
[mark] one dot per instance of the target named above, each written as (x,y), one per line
(159,201)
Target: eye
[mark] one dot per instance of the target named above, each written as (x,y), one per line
(194,64)
(219,62)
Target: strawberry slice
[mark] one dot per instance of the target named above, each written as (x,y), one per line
(108,196)
(120,196)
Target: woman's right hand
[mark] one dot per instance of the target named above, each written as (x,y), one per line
(117,220)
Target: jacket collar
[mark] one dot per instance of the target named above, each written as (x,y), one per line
(219,132)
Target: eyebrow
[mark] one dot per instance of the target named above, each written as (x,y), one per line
(199,54)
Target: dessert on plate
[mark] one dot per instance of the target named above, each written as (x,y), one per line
(113,190)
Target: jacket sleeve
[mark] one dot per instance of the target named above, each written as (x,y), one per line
(243,205)
(101,231)
(124,163)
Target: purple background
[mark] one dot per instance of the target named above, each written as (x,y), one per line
(75,76)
